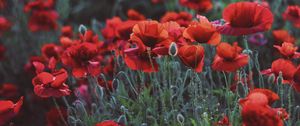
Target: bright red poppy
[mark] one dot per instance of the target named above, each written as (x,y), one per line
(5,25)
(292,14)
(198,5)
(192,56)
(2,52)
(51,84)
(9,110)
(175,32)
(150,39)
(54,118)
(134,15)
(286,67)
(288,50)
(223,122)
(182,18)
(256,109)
(83,59)
(229,58)
(108,123)
(110,31)
(124,29)
(202,32)
(281,36)
(243,18)
(38,5)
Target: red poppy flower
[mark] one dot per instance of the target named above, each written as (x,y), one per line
(288,50)
(175,32)
(134,15)
(281,36)
(292,14)
(89,36)
(256,109)
(229,58)
(182,18)
(157,1)
(243,18)
(151,34)
(198,5)
(8,110)
(51,50)
(108,123)
(202,32)
(39,5)
(110,32)
(192,56)
(53,116)
(66,31)
(82,58)
(2,52)
(151,40)
(51,84)
(9,91)
(281,65)
(43,21)
(4,25)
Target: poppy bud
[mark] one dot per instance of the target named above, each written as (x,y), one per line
(180,118)
(82,29)
(173,50)
(271,78)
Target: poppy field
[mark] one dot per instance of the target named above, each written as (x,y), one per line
(149,63)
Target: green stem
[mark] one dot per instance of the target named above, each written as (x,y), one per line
(59,112)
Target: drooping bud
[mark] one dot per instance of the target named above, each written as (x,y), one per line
(280,78)
(82,29)
(271,79)
(173,50)
(180,119)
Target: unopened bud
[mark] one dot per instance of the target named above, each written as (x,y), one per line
(82,29)
(173,50)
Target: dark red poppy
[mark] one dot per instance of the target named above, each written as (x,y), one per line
(66,42)
(256,109)
(53,116)
(192,56)
(43,21)
(39,5)
(281,36)
(110,32)
(134,15)
(229,58)
(243,18)
(108,123)
(2,52)
(292,14)
(30,67)
(82,58)
(9,110)
(288,50)
(51,50)
(202,32)
(182,18)
(286,67)
(198,5)
(51,84)
(4,25)
(157,1)
(9,91)
(67,31)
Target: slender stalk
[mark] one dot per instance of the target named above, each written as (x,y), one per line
(59,112)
